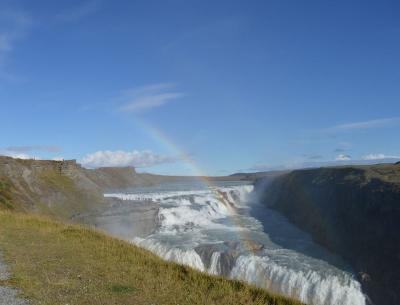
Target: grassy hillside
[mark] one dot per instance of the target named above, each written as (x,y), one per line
(355,212)
(55,188)
(64,188)
(53,263)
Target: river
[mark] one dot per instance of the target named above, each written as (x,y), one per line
(223,229)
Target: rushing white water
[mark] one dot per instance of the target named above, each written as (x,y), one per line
(223,230)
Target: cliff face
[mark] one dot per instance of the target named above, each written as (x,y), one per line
(353,211)
(64,188)
(60,188)
(51,187)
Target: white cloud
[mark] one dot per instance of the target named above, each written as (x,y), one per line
(379,157)
(26,152)
(5,43)
(146,102)
(16,155)
(29,148)
(379,123)
(84,9)
(13,26)
(342,157)
(148,97)
(119,158)
(340,160)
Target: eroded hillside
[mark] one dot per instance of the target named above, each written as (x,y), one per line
(65,188)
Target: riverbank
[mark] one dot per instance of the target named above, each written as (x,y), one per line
(53,263)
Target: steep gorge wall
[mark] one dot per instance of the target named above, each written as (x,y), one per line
(60,188)
(65,188)
(353,211)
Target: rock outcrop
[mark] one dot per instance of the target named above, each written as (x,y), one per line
(61,188)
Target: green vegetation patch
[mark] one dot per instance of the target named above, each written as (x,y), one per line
(119,288)
(56,180)
(72,198)
(53,264)
(6,201)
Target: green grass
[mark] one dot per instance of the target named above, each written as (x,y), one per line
(54,263)
(5,195)
(48,193)
(65,197)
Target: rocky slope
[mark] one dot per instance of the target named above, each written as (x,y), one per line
(65,188)
(51,187)
(353,211)
(61,188)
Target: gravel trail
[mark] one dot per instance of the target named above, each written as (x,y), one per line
(8,296)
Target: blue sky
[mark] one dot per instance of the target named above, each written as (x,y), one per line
(181,87)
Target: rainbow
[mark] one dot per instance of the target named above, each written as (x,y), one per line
(162,138)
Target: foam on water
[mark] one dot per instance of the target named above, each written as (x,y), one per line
(217,220)
(308,286)
(187,257)
(215,264)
